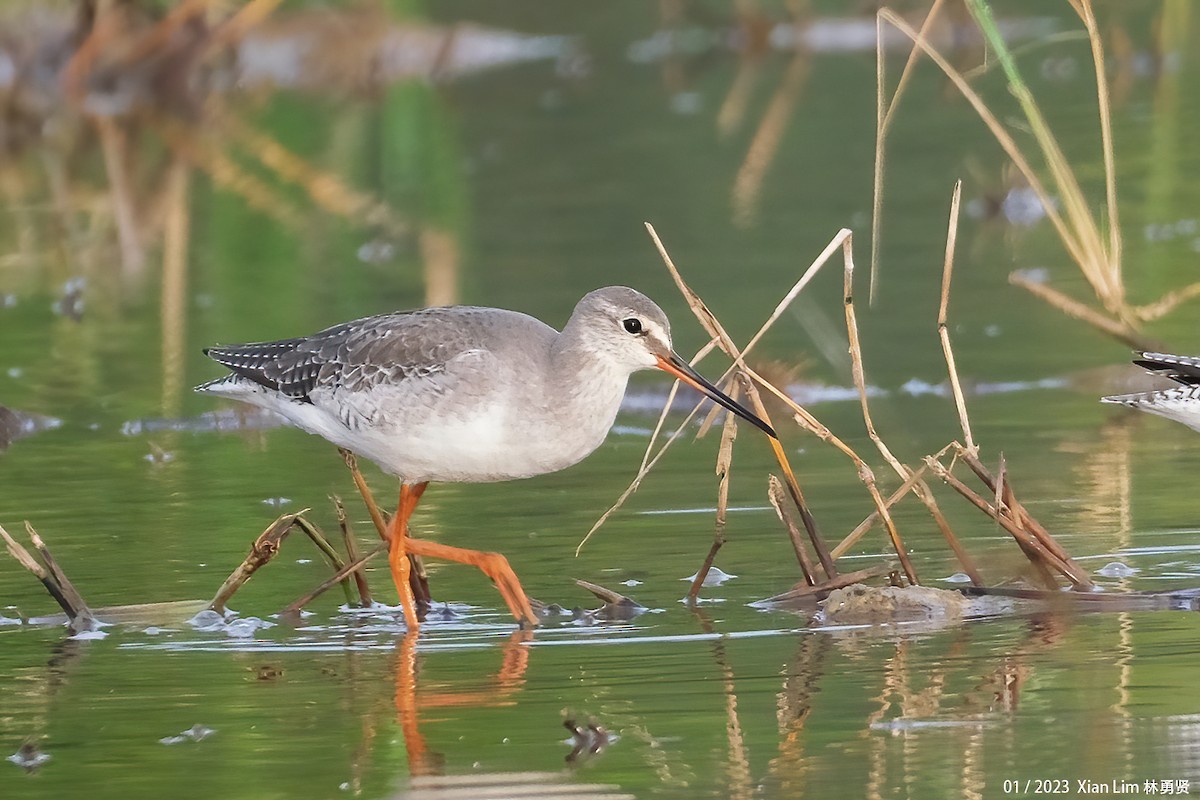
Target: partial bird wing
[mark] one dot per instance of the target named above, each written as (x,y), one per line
(1181,369)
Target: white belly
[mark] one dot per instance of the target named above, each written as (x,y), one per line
(488,445)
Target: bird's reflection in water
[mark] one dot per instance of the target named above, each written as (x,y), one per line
(428,780)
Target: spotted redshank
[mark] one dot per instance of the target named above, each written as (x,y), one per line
(462,394)
(1180,403)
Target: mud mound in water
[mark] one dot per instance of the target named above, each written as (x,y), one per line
(859,605)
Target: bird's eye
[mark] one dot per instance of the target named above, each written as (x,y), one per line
(633,325)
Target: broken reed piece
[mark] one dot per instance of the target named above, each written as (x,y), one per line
(360,579)
(724,465)
(1004,502)
(616,605)
(335,560)
(819,591)
(340,575)
(1033,549)
(776,494)
(84,619)
(1002,495)
(51,575)
(265,548)
(1078,574)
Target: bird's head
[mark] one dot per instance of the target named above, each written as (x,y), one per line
(629,331)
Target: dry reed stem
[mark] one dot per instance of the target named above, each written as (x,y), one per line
(860,384)
(649,462)
(658,425)
(793,487)
(738,362)
(1073,308)
(228,174)
(714,328)
(360,579)
(637,480)
(112,143)
(1166,303)
(360,483)
(327,190)
(922,490)
(764,147)
(775,493)
(960,403)
(806,420)
(1005,140)
(884,110)
(1096,265)
(1037,555)
(999,486)
(237,25)
(724,465)
(265,548)
(1084,9)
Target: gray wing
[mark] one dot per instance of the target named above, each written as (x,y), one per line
(355,359)
(1181,369)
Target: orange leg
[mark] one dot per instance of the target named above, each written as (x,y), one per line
(398,550)
(494,565)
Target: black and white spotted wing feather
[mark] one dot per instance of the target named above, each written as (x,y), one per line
(1181,369)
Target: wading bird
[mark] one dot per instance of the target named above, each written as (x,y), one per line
(462,394)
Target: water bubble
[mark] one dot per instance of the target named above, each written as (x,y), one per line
(1116,569)
(196,733)
(29,756)
(207,620)
(715,577)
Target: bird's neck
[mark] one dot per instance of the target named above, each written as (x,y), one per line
(588,384)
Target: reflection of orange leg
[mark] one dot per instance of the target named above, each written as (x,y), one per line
(398,550)
(494,565)
(507,681)
(420,761)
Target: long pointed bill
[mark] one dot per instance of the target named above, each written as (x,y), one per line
(674,365)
